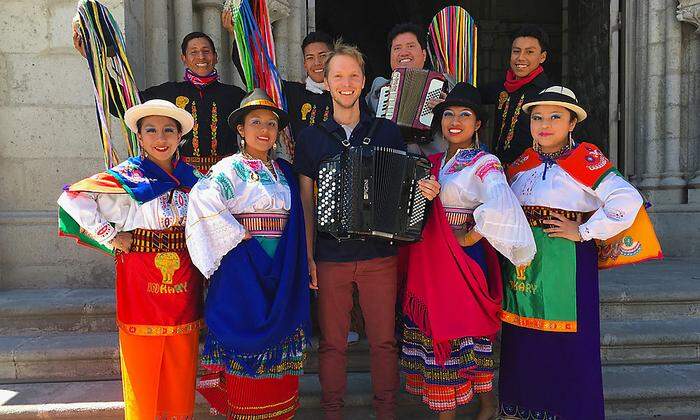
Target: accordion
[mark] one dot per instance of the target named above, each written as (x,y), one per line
(372,191)
(405,102)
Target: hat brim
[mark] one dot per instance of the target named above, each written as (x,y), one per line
(580,112)
(135,113)
(440,108)
(236,117)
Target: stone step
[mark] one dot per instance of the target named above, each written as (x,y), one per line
(653,290)
(650,342)
(648,291)
(33,311)
(95,356)
(67,356)
(629,394)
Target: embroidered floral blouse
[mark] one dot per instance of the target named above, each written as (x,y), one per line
(614,203)
(235,185)
(96,212)
(474,180)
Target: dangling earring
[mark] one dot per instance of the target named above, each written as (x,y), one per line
(476,141)
(274,146)
(177,155)
(242,144)
(571,141)
(535,146)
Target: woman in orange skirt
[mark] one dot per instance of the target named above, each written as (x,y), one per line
(136,211)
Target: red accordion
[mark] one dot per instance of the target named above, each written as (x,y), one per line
(405,102)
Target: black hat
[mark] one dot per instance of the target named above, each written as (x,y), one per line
(463,94)
(557,95)
(257,99)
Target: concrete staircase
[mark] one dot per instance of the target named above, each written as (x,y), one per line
(59,355)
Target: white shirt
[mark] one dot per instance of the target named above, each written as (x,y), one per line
(614,203)
(474,180)
(235,185)
(104,215)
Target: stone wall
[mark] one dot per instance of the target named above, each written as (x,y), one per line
(49,137)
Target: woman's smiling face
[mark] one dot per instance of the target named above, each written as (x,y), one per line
(159,137)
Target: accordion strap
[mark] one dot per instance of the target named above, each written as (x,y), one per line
(346,142)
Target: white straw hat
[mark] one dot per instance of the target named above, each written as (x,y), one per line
(557,95)
(158,107)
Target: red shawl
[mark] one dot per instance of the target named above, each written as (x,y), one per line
(447,295)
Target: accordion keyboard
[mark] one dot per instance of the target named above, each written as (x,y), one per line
(434,89)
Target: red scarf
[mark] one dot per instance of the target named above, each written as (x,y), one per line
(200,81)
(447,295)
(512,84)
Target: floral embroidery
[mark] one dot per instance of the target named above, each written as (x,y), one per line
(488,167)
(225,185)
(130,172)
(595,159)
(195,131)
(214,123)
(463,159)
(626,247)
(513,121)
(252,171)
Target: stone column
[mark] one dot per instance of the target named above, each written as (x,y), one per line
(689,12)
(672,182)
(211,25)
(655,99)
(184,20)
(638,88)
(156,27)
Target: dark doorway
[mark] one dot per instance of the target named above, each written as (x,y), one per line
(578,31)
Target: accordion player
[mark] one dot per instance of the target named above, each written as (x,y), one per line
(372,191)
(405,102)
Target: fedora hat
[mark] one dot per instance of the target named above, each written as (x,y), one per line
(557,95)
(462,94)
(257,99)
(158,107)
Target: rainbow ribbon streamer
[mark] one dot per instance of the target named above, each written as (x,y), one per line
(113,80)
(256,47)
(452,41)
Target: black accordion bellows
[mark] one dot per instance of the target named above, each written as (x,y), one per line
(372,191)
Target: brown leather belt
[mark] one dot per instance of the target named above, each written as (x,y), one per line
(167,240)
(536,215)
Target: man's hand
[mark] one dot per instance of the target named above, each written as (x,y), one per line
(313,284)
(227,21)
(469,238)
(78,42)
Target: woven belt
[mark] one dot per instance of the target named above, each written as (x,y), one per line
(167,240)
(263,224)
(536,215)
(202,163)
(459,218)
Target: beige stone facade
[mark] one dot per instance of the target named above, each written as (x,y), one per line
(49,134)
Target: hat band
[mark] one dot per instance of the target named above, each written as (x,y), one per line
(257,102)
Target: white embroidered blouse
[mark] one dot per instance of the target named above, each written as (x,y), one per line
(614,203)
(474,180)
(235,185)
(104,215)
